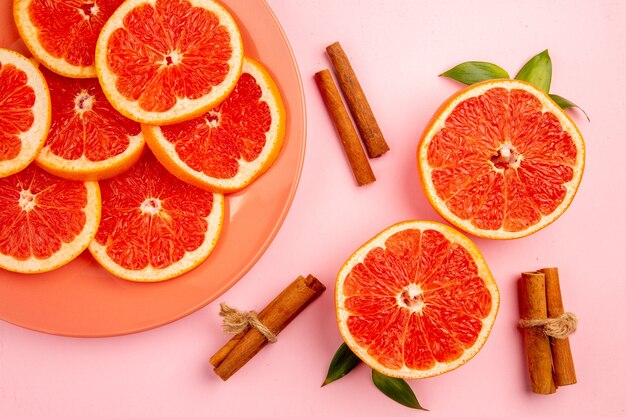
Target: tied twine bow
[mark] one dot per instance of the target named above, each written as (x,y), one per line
(559,327)
(236,321)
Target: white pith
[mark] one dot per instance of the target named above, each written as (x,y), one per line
(151,206)
(189,261)
(69,250)
(34,138)
(248,171)
(93,11)
(83,102)
(184,108)
(27,200)
(411,298)
(548,106)
(379,241)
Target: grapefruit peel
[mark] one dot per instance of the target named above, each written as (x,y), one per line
(184,108)
(391,381)
(446,181)
(29,84)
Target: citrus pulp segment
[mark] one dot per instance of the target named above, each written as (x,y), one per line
(227,148)
(165,61)
(24,112)
(45,221)
(154,226)
(501,160)
(88,139)
(62,34)
(415,301)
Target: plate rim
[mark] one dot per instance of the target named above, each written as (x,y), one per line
(253,259)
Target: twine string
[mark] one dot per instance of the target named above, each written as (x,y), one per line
(559,327)
(237,321)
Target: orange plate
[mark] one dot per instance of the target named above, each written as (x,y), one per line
(82,299)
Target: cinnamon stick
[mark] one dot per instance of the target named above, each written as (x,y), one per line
(276,316)
(564,372)
(349,138)
(357,102)
(539,356)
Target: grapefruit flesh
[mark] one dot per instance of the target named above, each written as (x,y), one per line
(24,112)
(88,139)
(154,226)
(231,145)
(416,301)
(501,160)
(45,221)
(62,34)
(164,61)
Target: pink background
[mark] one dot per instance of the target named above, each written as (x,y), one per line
(397,49)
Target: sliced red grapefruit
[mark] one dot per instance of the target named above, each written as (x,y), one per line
(164,61)
(501,160)
(415,301)
(88,139)
(62,34)
(45,221)
(24,112)
(154,226)
(230,146)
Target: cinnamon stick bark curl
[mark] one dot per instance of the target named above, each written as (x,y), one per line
(276,316)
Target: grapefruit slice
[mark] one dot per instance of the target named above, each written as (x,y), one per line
(155,227)
(227,148)
(164,61)
(501,160)
(88,139)
(24,112)
(45,221)
(62,34)
(415,301)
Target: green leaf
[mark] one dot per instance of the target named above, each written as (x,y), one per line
(475,71)
(537,71)
(397,389)
(342,363)
(566,104)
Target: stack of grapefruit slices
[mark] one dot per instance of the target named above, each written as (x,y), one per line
(108,77)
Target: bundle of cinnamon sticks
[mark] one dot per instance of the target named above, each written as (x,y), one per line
(274,318)
(545,325)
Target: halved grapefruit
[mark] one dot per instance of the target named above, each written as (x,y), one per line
(501,160)
(154,226)
(88,139)
(45,221)
(416,301)
(62,34)
(24,112)
(165,61)
(227,148)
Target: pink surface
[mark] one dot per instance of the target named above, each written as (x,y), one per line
(397,48)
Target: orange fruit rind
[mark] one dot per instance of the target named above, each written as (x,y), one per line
(33,139)
(83,169)
(344,313)
(189,261)
(184,108)
(438,122)
(68,250)
(89,140)
(31,33)
(248,171)
(155,227)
